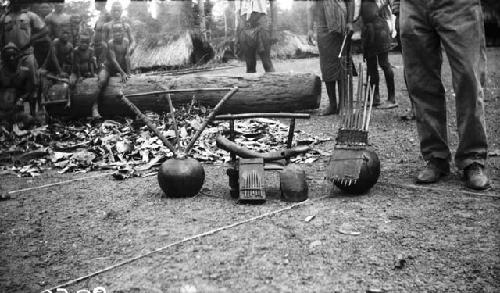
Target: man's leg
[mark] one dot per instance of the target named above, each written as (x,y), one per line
(422,60)
(460,28)
(251,59)
(265,57)
(263,40)
(28,61)
(332,97)
(102,83)
(372,70)
(383,61)
(409,113)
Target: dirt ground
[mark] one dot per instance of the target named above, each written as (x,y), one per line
(445,239)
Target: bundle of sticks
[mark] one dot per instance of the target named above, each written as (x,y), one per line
(348,157)
(355,110)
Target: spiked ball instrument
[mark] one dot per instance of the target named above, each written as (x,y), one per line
(353,167)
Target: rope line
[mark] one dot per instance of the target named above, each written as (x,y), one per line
(193,237)
(219,229)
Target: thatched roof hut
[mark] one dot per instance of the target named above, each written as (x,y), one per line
(170,40)
(291,45)
(175,53)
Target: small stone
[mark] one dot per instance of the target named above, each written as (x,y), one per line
(309,218)
(315,243)
(187,288)
(400,262)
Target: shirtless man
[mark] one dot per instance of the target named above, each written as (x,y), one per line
(22,28)
(119,52)
(117,62)
(61,59)
(75,23)
(17,85)
(42,46)
(116,18)
(57,21)
(99,42)
(84,61)
(43,10)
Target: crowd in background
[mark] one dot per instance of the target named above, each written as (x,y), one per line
(42,42)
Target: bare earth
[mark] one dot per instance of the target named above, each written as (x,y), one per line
(410,240)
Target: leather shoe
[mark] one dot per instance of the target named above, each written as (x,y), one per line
(475,177)
(433,172)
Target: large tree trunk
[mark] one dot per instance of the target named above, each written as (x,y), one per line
(269,92)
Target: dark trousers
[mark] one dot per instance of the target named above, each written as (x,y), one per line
(381,59)
(456,26)
(251,60)
(255,39)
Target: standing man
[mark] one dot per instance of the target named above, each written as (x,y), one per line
(116,19)
(41,46)
(22,28)
(333,22)
(75,22)
(255,35)
(99,42)
(456,26)
(58,21)
(377,41)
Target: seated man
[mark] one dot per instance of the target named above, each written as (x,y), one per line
(22,28)
(84,61)
(17,85)
(60,61)
(117,62)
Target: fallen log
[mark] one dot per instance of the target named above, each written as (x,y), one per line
(270,92)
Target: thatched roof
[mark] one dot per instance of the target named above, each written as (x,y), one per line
(293,45)
(177,52)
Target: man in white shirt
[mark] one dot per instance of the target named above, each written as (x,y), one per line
(255,35)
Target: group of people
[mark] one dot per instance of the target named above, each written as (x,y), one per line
(43,42)
(333,22)
(427,28)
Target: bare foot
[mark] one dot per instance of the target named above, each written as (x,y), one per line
(95,113)
(329,111)
(387,105)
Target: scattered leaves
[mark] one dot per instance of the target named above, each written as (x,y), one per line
(130,147)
